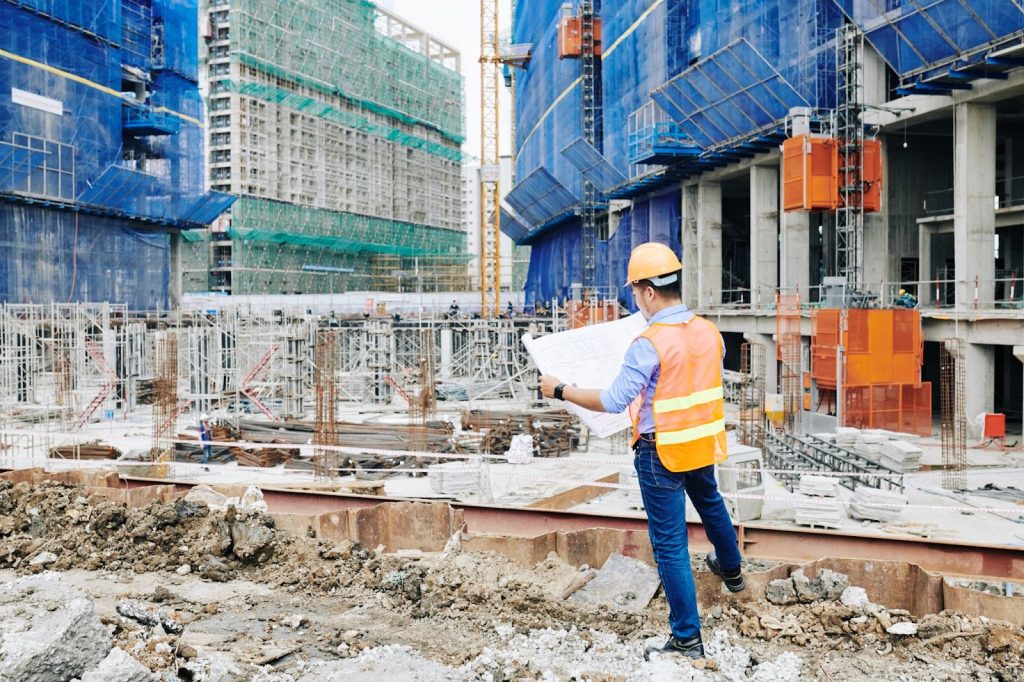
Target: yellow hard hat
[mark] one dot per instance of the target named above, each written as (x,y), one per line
(902,291)
(655,262)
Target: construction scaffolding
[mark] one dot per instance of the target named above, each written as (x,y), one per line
(340,126)
(954,419)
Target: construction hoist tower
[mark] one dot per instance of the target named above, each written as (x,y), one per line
(849,133)
(589,97)
(490,174)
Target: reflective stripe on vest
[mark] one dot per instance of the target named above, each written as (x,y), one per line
(686,402)
(691,434)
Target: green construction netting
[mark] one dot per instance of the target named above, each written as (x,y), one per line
(318,38)
(311,107)
(276,222)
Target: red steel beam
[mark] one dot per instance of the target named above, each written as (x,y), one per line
(760,541)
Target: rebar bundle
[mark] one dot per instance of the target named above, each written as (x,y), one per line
(325,387)
(790,350)
(165,396)
(752,367)
(954,419)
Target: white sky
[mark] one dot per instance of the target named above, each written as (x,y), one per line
(457,23)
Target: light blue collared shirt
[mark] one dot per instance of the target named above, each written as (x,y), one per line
(641,368)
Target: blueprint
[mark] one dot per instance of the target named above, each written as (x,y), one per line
(589,357)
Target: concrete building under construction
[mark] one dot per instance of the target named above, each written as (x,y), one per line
(672,130)
(339,126)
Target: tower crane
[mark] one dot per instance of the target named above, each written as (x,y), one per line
(490,170)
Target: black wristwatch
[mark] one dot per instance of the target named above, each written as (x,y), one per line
(558,392)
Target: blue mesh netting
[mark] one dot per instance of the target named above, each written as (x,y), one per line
(63,139)
(103,260)
(97,17)
(913,36)
(555,259)
(646,44)
(181,36)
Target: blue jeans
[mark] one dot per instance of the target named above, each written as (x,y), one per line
(207,453)
(664,494)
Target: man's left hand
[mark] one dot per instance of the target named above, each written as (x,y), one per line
(547,385)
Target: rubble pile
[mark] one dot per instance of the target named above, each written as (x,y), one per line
(303,609)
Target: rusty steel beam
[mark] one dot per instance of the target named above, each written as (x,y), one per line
(761,541)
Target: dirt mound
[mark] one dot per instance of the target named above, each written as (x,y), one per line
(74,530)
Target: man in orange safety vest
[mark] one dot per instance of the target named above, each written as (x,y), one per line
(671,382)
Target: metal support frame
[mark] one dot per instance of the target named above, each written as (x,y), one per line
(849,131)
(589,102)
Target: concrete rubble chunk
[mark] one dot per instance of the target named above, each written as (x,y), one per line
(41,644)
(137,611)
(781,591)
(803,587)
(252,542)
(905,629)
(623,583)
(831,584)
(118,666)
(43,558)
(215,667)
(854,597)
(208,496)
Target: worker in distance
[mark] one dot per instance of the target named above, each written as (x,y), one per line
(671,382)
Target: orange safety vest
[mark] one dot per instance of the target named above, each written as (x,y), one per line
(689,402)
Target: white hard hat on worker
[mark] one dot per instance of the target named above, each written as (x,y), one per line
(654,262)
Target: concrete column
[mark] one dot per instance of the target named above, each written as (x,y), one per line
(873,81)
(447,353)
(1018,352)
(175,268)
(874,252)
(796,251)
(691,262)
(980,374)
(925,292)
(974,220)
(771,365)
(709,244)
(764,235)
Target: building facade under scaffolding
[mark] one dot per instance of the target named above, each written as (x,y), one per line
(101,164)
(339,126)
(673,131)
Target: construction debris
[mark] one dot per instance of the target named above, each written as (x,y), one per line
(51,632)
(622,583)
(521,450)
(463,613)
